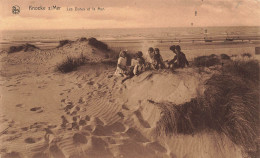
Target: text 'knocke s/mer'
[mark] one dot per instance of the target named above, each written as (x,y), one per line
(37,8)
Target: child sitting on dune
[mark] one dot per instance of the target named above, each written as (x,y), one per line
(157,60)
(149,57)
(179,60)
(138,63)
(121,69)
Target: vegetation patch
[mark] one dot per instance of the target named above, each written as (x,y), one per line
(25,47)
(230,105)
(98,44)
(71,64)
(246,55)
(225,57)
(64,42)
(206,61)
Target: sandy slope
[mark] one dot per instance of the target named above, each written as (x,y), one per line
(88,113)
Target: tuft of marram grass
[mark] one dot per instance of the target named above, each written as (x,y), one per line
(246,55)
(98,44)
(63,43)
(71,64)
(25,47)
(225,56)
(245,69)
(230,105)
(206,61)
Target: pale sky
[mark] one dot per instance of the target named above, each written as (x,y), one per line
(129,14)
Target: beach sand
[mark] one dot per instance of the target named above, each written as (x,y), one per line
(89,113)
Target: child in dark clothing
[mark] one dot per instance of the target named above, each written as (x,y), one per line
(179,60)
(157,60)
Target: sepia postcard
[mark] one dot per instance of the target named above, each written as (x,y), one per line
(129,78)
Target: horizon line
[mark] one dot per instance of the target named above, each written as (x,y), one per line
(129,28)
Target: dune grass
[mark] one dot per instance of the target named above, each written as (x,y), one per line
(248,70)
(82,39)
(246,55)
(63,43)
(98,44)
(206,61)
(25,47)
(71,64)
(225,56)
(230,105)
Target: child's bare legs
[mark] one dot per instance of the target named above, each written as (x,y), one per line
(135,71)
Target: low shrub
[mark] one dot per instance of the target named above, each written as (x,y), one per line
(206,61)
(246,55)
(14,49)
(63,43)
(26,47)
(83,39)
(71,64)
(98,44)
(225,56)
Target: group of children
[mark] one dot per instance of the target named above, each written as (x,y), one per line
(154,61)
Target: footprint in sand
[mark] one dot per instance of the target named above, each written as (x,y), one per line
(90,83)
(82,122)
(76,108)
(67,90)
(30,140)
(73,113)
(37,109)
(11,85)
(38,125)
(64,121)
(24,128)
(73,125)
(120,114)
(79,85)
(19,105)
(87,118)
(82,100)
(63,100)
(125,107)
(68,106)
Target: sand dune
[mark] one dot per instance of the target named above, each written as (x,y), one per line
(88,113)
